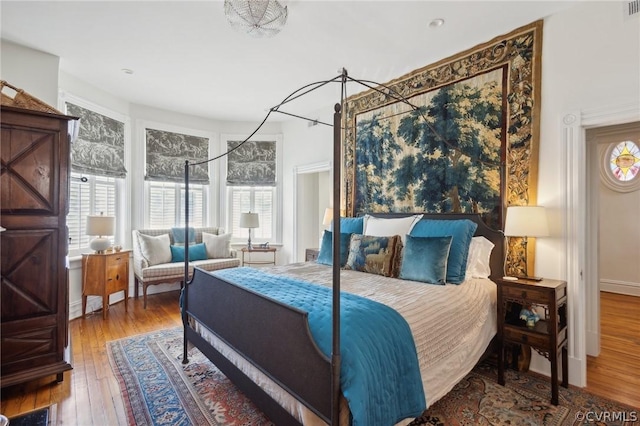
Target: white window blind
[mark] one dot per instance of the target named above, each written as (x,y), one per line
(165,205)
(97,195)
(243,199)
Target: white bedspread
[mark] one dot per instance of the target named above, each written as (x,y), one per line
(452,325)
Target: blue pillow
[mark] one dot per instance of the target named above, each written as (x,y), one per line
(326,253)
(178,236)
(462,231)
(196,252)
(351,225)
(425,259)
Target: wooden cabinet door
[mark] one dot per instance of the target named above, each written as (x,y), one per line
(33,199)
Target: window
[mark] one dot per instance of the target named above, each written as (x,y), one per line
(88,194)
(253,177)
(165,204)
(255,199)
(620,167)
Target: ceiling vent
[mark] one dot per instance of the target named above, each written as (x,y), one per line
(631,9)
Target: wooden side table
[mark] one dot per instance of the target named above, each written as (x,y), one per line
(548,336)
(311,254)
(249,262)
(104,274)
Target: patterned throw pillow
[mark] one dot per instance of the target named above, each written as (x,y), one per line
(376,255)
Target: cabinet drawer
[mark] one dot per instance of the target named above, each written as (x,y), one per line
(529,294)
(518,335)
(116,260)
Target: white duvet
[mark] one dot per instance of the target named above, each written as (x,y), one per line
(452,326)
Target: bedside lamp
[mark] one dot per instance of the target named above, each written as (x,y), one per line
(526,221)
(100,226)
(249,220)
(328,217)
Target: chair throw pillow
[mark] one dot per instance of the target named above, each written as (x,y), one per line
(425,259)
(155,249)
(178,236)
(376,255)
(218,246)
(196,252)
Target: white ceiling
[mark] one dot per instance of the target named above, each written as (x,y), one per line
(187,59)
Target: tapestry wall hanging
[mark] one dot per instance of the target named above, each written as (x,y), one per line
(472,145)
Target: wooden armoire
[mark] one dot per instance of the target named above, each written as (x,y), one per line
(33,245)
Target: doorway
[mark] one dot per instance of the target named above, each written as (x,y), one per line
(312,195)
(613,233)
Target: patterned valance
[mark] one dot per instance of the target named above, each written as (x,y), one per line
(167,153)
(99,147)
(252,164)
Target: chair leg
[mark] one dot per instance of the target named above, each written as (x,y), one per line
(144,291)
(136,284)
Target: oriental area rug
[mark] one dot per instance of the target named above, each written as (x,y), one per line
(159,390)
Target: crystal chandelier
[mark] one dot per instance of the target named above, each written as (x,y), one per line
(258,18)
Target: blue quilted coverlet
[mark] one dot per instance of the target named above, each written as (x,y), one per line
(379,375)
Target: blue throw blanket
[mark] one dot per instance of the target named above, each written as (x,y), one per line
(379,375)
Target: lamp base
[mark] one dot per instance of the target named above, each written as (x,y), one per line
(99,244)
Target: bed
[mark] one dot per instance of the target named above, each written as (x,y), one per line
(267,348)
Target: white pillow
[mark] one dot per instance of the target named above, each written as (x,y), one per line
(218,246)
(479,259)
(388,227)
(155,250)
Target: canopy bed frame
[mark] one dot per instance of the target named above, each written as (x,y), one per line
(235,314)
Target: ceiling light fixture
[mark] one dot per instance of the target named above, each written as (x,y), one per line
(258,18)
(436,23)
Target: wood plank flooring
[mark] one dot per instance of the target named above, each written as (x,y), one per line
(615,373)
(90,395)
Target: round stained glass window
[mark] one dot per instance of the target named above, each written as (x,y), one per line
(621,166)
(625,161)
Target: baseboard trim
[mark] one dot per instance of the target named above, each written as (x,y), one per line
(620,287)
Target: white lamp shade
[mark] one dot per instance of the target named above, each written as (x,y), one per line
(526,221)
(328,216)
(101,225)
(249,220)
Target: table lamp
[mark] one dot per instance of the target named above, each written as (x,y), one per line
(526,221)
(328,217)
(249,220)
(100,226)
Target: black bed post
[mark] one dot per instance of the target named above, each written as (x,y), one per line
(335,357)
(185,287)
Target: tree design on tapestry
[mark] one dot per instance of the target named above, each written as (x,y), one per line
(444,157)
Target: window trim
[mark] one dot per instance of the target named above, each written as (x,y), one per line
(123,185)
(225,194)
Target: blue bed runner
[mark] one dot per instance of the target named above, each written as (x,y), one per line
(379,375)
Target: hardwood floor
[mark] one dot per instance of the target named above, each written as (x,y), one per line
(90,395)
(615,373)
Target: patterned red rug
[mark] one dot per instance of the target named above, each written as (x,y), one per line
(158,389)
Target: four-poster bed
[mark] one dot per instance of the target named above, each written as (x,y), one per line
(258,341)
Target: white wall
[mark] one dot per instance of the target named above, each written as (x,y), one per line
(591,60)
(33,71)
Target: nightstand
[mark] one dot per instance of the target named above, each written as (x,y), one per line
(271,250)
(311,254)
(548,336)
(104,274)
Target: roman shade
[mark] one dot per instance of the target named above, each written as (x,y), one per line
(251,164)
(167,153)
(99,148)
